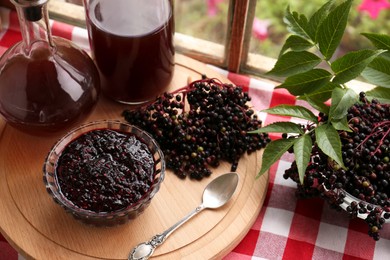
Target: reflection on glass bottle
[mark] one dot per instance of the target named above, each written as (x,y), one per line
(46,83)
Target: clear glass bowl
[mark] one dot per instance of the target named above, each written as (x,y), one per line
(103,218)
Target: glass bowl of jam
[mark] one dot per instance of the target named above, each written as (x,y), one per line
(105,172)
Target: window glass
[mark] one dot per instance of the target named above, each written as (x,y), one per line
(204,19)
(269,31)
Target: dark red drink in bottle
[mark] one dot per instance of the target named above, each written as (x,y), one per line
(47,84)
(132,45)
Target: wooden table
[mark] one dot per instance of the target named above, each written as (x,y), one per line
(38,228)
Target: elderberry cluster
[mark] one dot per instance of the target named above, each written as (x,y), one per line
(199,125)
(366,153)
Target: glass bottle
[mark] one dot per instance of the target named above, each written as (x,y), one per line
(132,43)
(47,84)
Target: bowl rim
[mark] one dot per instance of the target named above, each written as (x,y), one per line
(71,135)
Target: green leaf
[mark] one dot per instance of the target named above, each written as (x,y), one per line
(306,82)
(341,124)
(323,94)
(295,43)
(380,41)
(302,151)
(380,93)
(273,151)
(317,104)
(352,64)
(293,111)
(296,23)
(328,140)
(378,72)
(332,29)
(294,62)
(317,18)
(342,100)
(280,127)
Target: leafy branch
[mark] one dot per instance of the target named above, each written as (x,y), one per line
(312,73)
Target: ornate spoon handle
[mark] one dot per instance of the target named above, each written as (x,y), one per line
(144,250)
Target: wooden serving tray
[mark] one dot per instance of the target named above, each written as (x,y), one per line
(40,229)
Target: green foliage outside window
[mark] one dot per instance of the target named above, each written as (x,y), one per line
(192,18)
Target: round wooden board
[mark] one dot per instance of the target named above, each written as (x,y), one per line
(40,229)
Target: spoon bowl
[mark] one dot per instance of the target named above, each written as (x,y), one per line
(216,194)
(220,190)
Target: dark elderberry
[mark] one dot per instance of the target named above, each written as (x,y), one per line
(201,124)
(366,155)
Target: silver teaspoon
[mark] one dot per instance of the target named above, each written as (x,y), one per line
(216,194)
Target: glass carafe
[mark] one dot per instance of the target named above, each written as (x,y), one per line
(47,83)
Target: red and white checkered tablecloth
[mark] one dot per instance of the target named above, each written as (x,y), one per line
(286,228)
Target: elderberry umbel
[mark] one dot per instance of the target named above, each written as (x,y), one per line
(199,125)
(366,153)
(105,170)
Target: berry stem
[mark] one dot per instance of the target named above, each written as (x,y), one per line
(375,131)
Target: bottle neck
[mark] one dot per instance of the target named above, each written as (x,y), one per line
(34,22)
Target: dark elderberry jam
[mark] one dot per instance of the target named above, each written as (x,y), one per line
(105,170)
